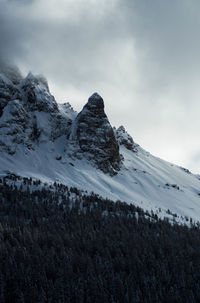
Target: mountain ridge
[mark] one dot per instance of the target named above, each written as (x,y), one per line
(45,140)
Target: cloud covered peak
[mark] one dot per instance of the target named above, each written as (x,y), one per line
(12,72)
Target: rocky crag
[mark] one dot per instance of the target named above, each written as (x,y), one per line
(30,116)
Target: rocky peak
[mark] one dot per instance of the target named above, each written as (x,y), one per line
(123,138)
(8,91)
(95,106)
(95,101)
(29,114)
(95,137)
(36,94)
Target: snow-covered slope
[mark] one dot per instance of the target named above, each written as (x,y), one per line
(51,142)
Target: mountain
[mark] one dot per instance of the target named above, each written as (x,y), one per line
(51,142)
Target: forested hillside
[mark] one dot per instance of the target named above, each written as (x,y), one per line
(58,244)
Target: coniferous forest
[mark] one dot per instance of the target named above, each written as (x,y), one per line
(58,244)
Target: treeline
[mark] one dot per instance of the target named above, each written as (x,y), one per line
(59,245)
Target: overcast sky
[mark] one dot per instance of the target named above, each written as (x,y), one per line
(142,56)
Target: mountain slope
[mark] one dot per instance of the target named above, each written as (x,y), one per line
(51,142)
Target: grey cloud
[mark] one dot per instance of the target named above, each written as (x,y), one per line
(167,35)
(78,49)
(13,32)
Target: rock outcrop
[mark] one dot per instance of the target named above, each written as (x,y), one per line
(94,136)
(36,95)
(8,91)
(30,116)
(123,138)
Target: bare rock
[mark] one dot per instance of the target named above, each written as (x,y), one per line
(95,137)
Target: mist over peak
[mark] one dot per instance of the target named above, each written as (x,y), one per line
(11,71)
(37,79)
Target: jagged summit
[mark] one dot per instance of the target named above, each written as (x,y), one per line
(36,94)
(94,136)
(96,99)
(95,105)
(50,141)
(35,80)
(31,116)
(95,96)
(125,139)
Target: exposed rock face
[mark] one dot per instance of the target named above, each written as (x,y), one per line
(36,94)
(30,116)
(123,138)
(8,91)
(95,137)
(13,126)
